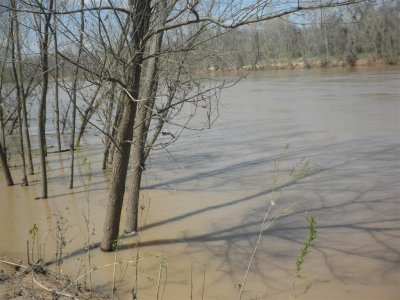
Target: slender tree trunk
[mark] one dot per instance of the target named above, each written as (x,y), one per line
(107,127)
(74,96)
(87,115)
(42,103)
(56,95)
(4,166)
(110,132)
(139,25)
(21,140)
(65,118)
(117,120)
(2,125)
(25,126)
(19,92)
(2,131)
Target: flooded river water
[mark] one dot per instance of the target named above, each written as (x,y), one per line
(204,201)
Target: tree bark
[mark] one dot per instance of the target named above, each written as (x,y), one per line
(139,25)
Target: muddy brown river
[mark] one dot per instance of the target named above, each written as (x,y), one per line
(204,200)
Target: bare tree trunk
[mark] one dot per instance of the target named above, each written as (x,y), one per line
(87,115)
(2,131)
(42,105)
(139,25)
(139,137)
(14,38)
(2,125)
(114,133)
(65,118)
(108,126)
(56,95)
(4,166)
(25,126)
(74,88)
(137,167)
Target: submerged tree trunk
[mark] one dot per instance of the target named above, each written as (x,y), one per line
(42,105)
(139,24)
(139,137)
(25,126)
(137,166)
(2,125)
(14,38)
(74,96)
(56,91)
(4,166)
(19,82)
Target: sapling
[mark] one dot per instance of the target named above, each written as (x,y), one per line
(304,252)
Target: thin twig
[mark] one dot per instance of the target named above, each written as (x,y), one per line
(204,282)
(54,291)
(13,264)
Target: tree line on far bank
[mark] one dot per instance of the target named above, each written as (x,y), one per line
(368,30)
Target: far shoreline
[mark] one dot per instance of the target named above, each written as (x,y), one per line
(301,64)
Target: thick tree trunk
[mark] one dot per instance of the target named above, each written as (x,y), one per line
(4,166)
(137,167)
(139,136)
(139,20)
(118,179)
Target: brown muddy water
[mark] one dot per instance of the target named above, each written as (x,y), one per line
(204,201)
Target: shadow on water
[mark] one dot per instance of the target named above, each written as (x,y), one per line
(355,199)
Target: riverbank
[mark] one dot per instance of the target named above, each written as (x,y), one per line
(19,281)
(304,64)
